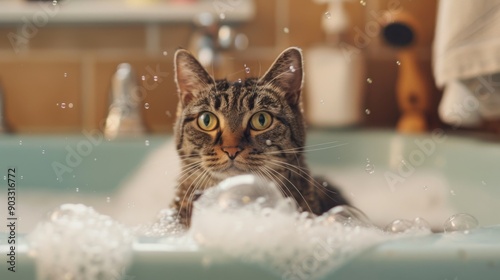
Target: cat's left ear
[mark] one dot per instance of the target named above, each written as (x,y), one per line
(287,74)
(190,76)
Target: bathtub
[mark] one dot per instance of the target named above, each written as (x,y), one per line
(387,175)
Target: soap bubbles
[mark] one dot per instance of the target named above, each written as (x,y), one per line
(418,225)
(461,222)
(78,243)
(241,192)
(347,216)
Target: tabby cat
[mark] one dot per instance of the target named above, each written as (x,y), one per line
(253,126)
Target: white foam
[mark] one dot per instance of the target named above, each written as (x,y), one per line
(296,245)
(80,244)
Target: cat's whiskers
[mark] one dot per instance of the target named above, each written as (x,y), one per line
(202,178)
(188,191)
(291,183)
(188,168)
(305,148)
(304,173)
(279,183)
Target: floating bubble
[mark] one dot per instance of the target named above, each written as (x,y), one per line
(369,80)
(155,78)
(20,142)
(4,178)
(222,16)
(398,62)
(108,199)
(367,111)
(421,224)
(146,106)
(460,222)
(269,142)
(328,15)
(77,189)
(22,177)
(345,215)
(146,142)
(239,81)
(63,105)
(399,226)
(70,105)
(43,152)
(362,2)
(452,192)
(322,101)
(369,168)
(247,69)
(165,53)
(65,74)
(426,188)
(143,77)
(286,30)
(240,191)
(292,68)
(483,182)
(54,2)
(325,184)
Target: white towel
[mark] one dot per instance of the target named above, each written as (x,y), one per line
(467,39)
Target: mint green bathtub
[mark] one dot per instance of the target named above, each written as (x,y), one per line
(387,175)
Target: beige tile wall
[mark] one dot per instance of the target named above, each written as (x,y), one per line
(35,82)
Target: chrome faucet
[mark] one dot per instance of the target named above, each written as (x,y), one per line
(124,117)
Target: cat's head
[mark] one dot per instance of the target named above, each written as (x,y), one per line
(249,126)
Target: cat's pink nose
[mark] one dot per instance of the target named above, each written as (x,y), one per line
(231,151)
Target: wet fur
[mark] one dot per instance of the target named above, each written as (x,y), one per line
(204,158)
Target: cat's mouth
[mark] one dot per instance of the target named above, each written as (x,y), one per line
(231,168)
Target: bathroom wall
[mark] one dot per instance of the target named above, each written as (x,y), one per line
(61,81)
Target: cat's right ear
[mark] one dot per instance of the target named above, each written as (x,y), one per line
(190,76)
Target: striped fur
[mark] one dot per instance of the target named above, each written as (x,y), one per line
(275,153)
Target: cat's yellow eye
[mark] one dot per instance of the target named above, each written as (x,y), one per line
(261,121)
(207,121)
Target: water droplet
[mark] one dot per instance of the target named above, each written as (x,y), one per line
(146,105)
(322,101)
(22,177)
(398,62)
(426,188)
(143,77)
(108,199)
(70,105)
(54,2)
(420,223)
(247,69)
(77,190)
(286,30)
(369,80)
(155,78)
(460,222)
(239,81)
(43,152)
(399,226)
(369,168)
(222,16)
(328,15)
(325,184)
(269,142)
(4,178)
(452,192)
(65,75)
(165,53)
(146,142)
(483,182)
(292,68)
(63,105)
(367,111)
(20,142)
(362,2)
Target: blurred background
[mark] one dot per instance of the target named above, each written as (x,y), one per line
(57,59)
